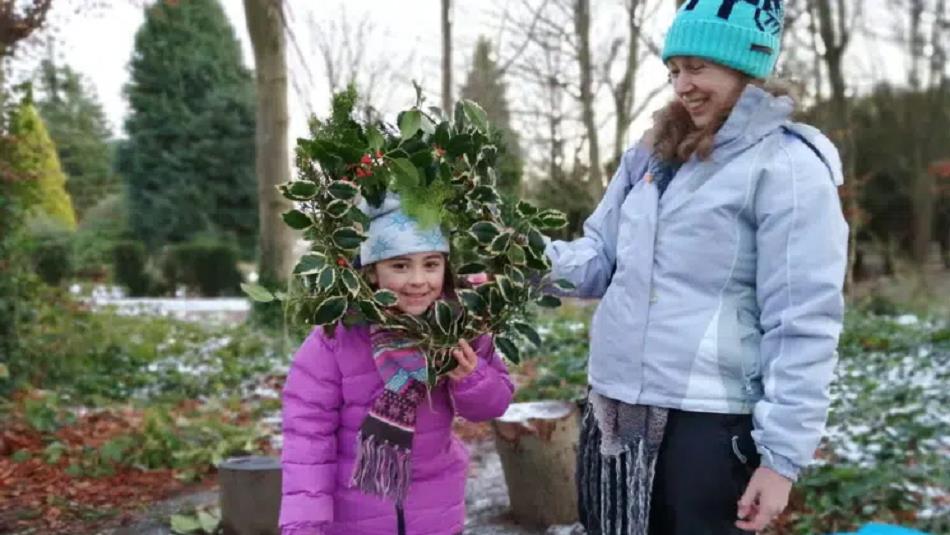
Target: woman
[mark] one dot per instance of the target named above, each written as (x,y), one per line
(718,252)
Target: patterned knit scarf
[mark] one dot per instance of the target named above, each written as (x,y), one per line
(384,443)
(616,464)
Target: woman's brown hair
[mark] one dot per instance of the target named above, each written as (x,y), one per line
(675,138)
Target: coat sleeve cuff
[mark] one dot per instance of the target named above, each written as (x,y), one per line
(779,464)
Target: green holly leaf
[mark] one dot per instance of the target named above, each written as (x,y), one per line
(257,292)
(564,284)
(515,274)
(297,219)
(302,190)
(326,278)
(386,298)
(330,311)
(506,288)
(476,115)
(473,302)
(338,208)
(310,264)
(370,310)
(528,332)
(484,231)
(472,268)
(409,123)
(485,194)
(516,255)
(360,217)
(550,220)
(347,238)
(374,138)
(508,349)
(525,209)
(443,316)
(405,174)
(500,244)
(351,280)
(549,301)
(343,190)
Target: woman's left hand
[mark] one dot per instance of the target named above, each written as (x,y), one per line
(764,499)
(467,361)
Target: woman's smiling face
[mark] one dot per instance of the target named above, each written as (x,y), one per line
(707,90)
(416,278)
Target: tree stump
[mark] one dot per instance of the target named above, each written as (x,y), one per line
(250,495)
(537,444)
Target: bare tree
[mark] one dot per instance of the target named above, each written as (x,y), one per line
(447,56)
(265,24)
(586,97)
(18,20)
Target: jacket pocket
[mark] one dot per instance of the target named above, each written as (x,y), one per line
(750,340)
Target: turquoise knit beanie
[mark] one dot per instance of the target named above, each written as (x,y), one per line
(742,34)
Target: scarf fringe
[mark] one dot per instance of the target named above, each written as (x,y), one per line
(382,469)
(614,490)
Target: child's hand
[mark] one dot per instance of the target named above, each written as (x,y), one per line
(467,361)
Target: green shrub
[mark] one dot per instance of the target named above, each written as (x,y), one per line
(128,267)
(206,266)
(101,228)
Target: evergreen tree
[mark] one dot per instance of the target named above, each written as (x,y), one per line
(485,85)
(81,133)
(35,155)
(189,158)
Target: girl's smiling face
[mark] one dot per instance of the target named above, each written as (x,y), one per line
(706,89)
(416,278)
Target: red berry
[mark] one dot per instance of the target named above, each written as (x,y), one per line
(341,262)
(366,160)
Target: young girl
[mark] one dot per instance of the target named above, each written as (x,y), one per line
(719,252)
(366,450)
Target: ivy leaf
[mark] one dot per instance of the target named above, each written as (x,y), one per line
(476,115)
(386,298)
(549,301)
(296,219)
(409,123)
(528,332)
(508,349)
(347,238)
(443,316)
(405,174)
(351,280)
(257,292)
(330,311)
(343,190)
(310,264)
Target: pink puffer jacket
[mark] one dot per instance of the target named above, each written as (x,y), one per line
(330,387)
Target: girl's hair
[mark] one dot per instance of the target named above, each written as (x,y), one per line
(675,138)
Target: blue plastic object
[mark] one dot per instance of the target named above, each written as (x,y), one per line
(884,529)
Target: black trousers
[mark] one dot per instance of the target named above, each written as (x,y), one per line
(703,465)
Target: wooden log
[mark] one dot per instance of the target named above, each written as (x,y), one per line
(250,495)
(537,444)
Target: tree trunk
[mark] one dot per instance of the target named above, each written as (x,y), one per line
(447,56)
(625,94)
(582,29)
(250,495)
(265,24)
(537,444)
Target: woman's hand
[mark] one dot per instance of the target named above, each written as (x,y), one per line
(764,499)
(467,361)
